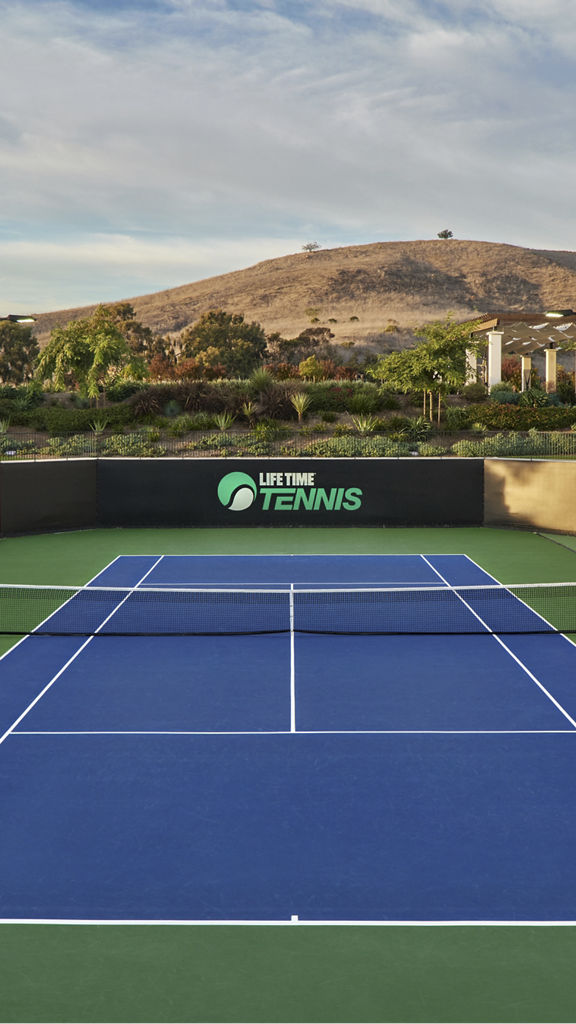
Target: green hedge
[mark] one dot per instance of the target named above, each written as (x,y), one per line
(518,417)
(348,396)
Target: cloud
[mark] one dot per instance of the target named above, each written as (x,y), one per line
(223,123)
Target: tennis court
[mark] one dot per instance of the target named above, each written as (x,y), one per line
(351,738)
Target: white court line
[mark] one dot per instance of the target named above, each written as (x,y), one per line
(506,648)
(48,617)
(74,656)
(292,922)
(294,732)
(292,664)
(490,576)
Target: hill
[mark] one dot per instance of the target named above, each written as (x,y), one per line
(410,283)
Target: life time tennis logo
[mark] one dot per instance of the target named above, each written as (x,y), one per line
(285,492)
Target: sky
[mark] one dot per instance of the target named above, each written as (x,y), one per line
(145,144)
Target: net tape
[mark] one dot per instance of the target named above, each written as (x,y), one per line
(217,611)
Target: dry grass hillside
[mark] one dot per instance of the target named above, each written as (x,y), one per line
(408,282)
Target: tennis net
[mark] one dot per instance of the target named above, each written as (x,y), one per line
(203,611)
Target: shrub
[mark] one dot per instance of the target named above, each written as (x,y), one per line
(417,429)
(345,396)
(123,389)
(63,421)
(432,450)
(502,385)
(25,396)
(517,417)
(534,397)
(15,446)
(456,418)
(172,409)
(505,397)
(364,424)
(565,386)
(219,443)
(134,445)
(474,392)
(364,402)
(186,424)
(387,400)
(70,447)
(395,424)
(283,371)
(348,447)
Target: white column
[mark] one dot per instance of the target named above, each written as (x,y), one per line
(526,372)
(471,366)
(551,369)
(494,357)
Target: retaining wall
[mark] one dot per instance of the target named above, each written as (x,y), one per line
(536,494)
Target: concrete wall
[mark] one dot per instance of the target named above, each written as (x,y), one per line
(536,494)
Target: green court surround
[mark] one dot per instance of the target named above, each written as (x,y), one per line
(291,973)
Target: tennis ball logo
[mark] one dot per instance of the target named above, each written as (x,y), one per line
(236,491)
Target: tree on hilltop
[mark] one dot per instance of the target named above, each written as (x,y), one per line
(446,233)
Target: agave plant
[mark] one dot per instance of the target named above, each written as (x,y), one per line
(301,401)
(99,424)
(224,420)
(365,424)
(4,424)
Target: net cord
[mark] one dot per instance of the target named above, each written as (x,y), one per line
(359,589)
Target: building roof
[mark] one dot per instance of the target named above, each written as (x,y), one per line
(524,333)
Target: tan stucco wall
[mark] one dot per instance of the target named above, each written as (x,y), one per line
(536,494)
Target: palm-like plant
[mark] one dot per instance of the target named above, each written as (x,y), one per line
(301,402)
(260,380)
(249,412)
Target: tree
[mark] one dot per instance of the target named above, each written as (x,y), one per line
(310,247)
(312,369)
(225,340)
(139,337)
(18,352)
(446,233)
(436,366)
(84,352)
(402,371)
(142,341)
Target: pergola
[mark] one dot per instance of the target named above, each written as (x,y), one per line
(523,334)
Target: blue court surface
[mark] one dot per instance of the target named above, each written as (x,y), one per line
(288,776)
